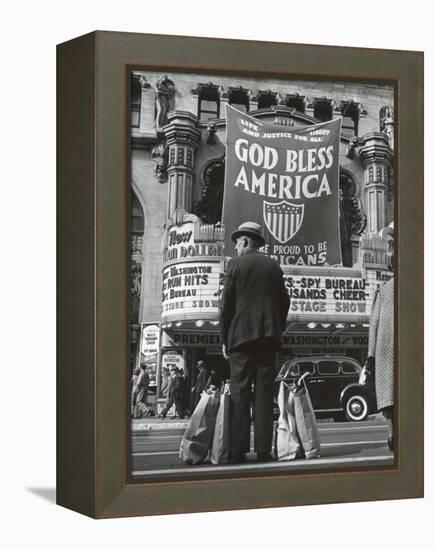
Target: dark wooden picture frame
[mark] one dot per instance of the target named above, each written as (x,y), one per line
(93,273)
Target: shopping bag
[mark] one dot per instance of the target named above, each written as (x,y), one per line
(305,420)
(197,438)
(220,447)
(286,442)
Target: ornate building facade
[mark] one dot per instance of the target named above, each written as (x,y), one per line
(178,132)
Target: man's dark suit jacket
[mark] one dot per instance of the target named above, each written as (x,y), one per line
(255,301)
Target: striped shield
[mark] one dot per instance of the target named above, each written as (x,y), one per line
(283,219)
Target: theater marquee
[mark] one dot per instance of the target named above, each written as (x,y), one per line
(193,268)
(190,290)
(322,294)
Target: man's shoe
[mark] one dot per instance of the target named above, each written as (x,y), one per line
(264,457)
(238,458)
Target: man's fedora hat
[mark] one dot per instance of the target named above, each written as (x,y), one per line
(249,229)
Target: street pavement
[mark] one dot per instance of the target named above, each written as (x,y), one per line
(155,447)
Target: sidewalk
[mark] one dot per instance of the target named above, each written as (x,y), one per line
(153,423)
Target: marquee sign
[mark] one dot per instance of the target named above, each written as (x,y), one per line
(193,269)
(187,237)
(321,294)
(290,340)
(288,181)
(190,290)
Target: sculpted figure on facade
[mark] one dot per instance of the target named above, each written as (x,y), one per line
(165,100)
(159,156)
(211,129)
(386,112)
(136,277)
(352,210)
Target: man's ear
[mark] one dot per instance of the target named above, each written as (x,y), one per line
(245,242)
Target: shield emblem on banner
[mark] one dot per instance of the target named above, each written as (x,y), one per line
(283,219)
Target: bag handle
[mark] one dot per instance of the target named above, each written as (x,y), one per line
(301,379)
(207,383)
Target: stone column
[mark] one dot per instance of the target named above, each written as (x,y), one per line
(182,136)
(377,158)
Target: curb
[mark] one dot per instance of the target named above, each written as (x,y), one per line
(157,426)
(143,425)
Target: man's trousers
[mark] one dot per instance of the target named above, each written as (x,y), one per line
(252,362)
(173,399)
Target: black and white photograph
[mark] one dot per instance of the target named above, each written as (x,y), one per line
(217,235)
(262,274)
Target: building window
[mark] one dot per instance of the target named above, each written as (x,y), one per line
(350,118)
(296,101)
(238,98)
(209,102)
(136,97)
(323,109)
(266,99)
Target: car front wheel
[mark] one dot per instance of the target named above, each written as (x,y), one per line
(356,408)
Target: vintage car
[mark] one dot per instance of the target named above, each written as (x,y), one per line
(333,385)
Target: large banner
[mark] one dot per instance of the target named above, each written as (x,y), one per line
(286,179)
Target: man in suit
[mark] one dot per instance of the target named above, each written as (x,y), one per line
(200,384)
(174,394)
(253,314)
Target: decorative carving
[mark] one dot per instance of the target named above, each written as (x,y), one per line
(143,82)
(135,287)
(386,113)
(211,129)
(283,121)
(209,207)
(136,244)
(159,156)
(136,278)
(297,101)
(375,148)
(351,149)
(350,108)
(165,101)
(201,86)
(374,248)
(355,218)
(387,123)
(389,183)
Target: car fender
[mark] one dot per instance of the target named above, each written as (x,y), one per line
(358,387)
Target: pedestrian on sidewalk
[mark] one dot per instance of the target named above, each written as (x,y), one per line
(174,394)
(184,393)
(381,342)
(253,314)
(200,384)
(140,384)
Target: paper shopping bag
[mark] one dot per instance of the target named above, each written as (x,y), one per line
(221,440)
(286,443)
(305,419)
(197,439)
